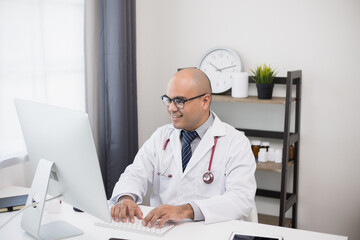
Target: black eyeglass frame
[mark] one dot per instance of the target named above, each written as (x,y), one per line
(177,100)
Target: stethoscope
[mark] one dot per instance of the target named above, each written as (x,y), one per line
(208,177)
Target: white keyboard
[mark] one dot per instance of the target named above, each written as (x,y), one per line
(137,227)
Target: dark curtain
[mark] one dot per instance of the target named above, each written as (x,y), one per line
(117,86)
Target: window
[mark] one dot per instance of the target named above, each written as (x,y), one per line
(41,59)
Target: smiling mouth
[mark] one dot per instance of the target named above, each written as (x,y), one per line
(176,116)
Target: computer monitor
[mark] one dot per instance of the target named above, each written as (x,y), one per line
(61,147)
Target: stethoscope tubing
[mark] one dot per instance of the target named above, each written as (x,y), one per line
(208,177)
(212,153)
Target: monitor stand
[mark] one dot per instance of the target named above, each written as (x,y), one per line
(31,220)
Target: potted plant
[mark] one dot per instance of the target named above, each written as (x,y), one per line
(263,77)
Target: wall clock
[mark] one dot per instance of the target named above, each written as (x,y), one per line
(219,64)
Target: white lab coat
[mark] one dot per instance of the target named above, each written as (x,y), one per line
(229,196)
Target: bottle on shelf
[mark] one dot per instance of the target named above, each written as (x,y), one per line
(271,154)
(265,145)
(278,155)
(263,155)
(291,152)
(255,147)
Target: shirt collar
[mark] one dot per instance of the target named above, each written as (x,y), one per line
(205,126)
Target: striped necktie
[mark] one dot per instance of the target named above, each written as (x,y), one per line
(186,153)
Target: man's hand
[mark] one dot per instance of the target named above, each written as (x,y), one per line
(126,207)
(168,212)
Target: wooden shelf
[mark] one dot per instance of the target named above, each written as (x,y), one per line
(272,220)
(292,82)
(271,166)
(250,99)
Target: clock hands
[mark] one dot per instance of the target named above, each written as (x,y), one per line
(220,69)
(217,69)
(226,68)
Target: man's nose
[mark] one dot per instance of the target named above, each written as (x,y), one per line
(172,107)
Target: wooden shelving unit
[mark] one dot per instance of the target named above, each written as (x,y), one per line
(273,220)
(250,99)
(271,166)
(287,200)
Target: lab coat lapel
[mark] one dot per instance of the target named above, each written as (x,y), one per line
(206,143)
(204,146)
(176,150)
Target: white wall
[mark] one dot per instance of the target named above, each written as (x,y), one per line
(320,37)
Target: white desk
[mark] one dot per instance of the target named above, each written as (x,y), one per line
(186,230)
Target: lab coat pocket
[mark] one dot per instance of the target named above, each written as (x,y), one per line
(216,187)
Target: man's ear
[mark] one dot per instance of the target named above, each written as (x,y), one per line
(207,100)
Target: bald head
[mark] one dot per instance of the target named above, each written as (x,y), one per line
(193,87)
(194,78)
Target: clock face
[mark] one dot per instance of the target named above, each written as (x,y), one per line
(219,64)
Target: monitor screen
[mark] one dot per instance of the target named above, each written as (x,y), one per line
(64,137)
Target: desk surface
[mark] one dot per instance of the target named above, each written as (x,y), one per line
(186,230)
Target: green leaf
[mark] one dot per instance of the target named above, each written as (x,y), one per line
(263,74)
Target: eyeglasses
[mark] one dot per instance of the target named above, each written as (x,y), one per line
(179,103)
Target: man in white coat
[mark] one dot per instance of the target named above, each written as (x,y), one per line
(209,178)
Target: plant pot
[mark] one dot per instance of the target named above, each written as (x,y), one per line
(265,90)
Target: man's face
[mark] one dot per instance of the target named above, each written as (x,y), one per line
(192,115)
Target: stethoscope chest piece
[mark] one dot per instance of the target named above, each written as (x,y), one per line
(208,177)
